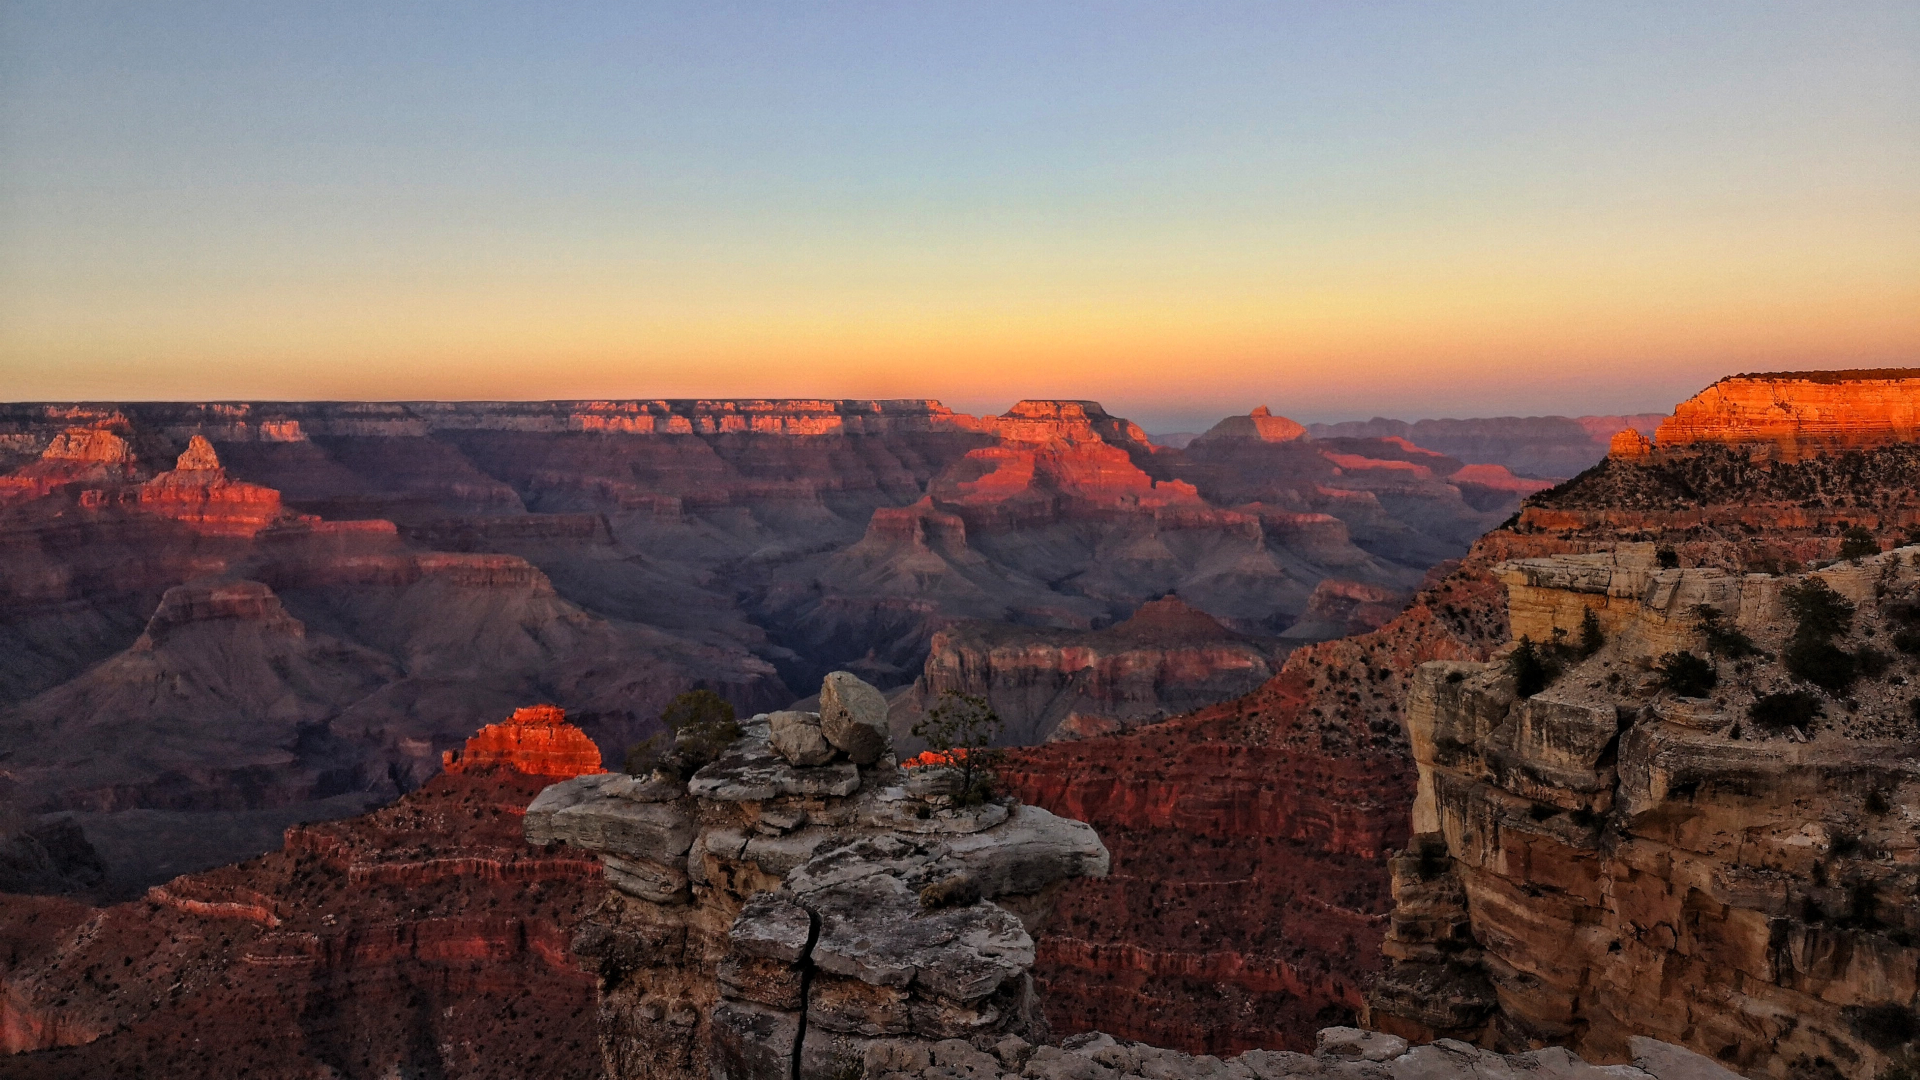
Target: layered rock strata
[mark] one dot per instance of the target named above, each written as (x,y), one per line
(424,939)
(783,909)
(536,740)
(1792,415)
(1607,858)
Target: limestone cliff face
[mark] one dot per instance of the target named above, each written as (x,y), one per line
(801,898)
(1628,861)
(1608,858)
(1791,415)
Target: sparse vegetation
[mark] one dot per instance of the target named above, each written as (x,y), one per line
(1722,639)
(1668,558)
(1687,675)
(962,729)
(700,725)
(1531,669)
(1592,638)
(1775,713)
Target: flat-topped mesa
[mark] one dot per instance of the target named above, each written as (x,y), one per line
(1794,414)
(801,898)
(1046,421)
(1260,425)
(536,740)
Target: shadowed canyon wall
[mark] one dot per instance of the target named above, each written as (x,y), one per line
(241,609)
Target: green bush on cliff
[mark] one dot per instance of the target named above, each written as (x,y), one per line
(1821,615)
(700,726)
(1858,543)
(962,729)
(1532,670)
(1687,675)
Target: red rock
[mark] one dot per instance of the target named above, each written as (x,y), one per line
(424,938)
(1790,415)
(536,740)
(1629,445)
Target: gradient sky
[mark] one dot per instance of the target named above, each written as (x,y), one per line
(1337,209)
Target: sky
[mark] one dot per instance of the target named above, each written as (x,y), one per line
(1336,209)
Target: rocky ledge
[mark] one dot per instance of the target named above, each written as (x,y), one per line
(1343,1053)
(801,897)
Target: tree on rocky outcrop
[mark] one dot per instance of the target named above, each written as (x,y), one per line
(1722,639)
(1857,543)
(700,725)
(1821,615)
(1531,669)
(962,729)
(1592,638)
(1686,674)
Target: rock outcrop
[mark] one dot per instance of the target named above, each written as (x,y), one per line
(1623,860)
(1342,1053)
(776,916)
(1168,658)
(1792,415)
(536,740)
(1692,823)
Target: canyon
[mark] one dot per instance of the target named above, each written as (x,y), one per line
(1384,830)
(222,618)
(427,936)
(1535,446)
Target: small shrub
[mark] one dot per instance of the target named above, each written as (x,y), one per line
(1857,543)
(1591,636)
(1668,558)
(700,726)
(954,890)
(1907,640)
(1776,713)
(1821,663)
(1687,675)
(1722,639)
(1532,671)
(962,728)
(1884,1026)
(1822,613)
(1872,662)
(1877,802)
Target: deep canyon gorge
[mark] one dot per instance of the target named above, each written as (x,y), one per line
(1272,668)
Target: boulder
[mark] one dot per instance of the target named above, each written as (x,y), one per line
(796,736)
(853,717)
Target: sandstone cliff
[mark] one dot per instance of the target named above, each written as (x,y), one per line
(1792,415)
(1714,851)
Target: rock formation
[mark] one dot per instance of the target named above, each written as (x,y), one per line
(1696,829)
(424,939)
(1791,415)
(1532,446)
(1342,1053)
(776,915)
(356,580)
(1168,658)
(536,740)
